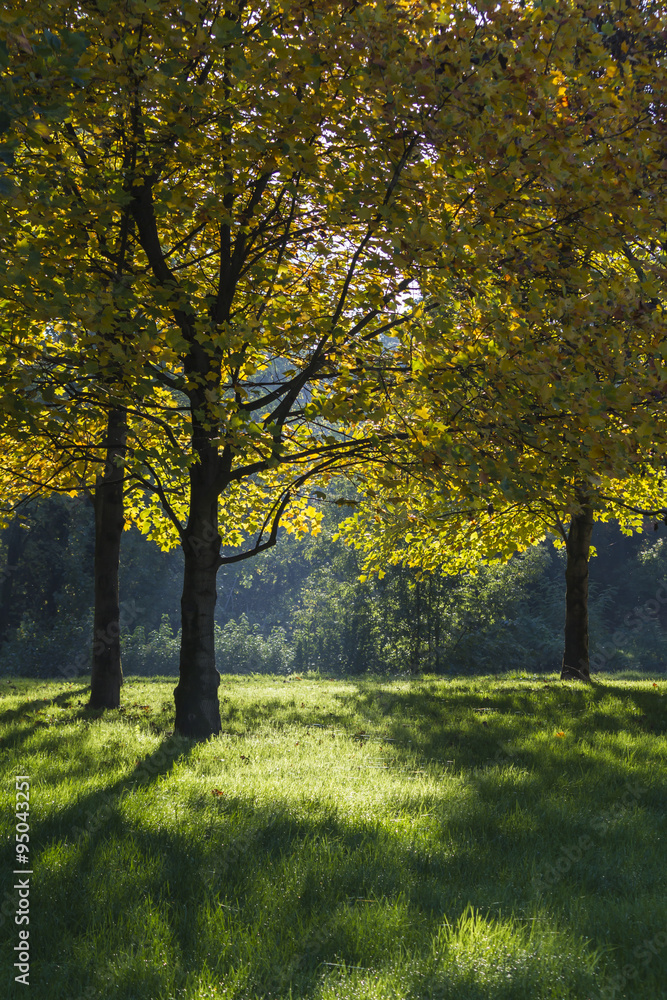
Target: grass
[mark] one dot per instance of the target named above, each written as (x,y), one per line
(477,839)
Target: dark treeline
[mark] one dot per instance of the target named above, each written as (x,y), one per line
(302,606)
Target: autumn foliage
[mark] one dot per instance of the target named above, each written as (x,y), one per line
(308,237)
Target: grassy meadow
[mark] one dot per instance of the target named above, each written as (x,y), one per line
(466,839)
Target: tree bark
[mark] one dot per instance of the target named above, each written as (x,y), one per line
(196,696)
(575,659)
(107,672)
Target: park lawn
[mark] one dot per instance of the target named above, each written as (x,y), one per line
(472,839)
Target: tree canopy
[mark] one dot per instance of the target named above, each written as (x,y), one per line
(302,220)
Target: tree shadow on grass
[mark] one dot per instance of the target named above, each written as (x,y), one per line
(31,705)
(278,897)
(436,719)
(274,899)
(32,716)
(650,703)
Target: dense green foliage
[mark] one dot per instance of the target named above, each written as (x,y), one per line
(316,238)
(471,839)
(303,607)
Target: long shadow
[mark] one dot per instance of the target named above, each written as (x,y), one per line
(435,720)
(197,883)
(32,705)
(278,897)
(651,704)
(29,717)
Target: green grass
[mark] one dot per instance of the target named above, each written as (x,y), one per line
(469,839)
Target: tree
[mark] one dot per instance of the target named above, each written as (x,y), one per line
(257,202)
(425,525)
(59,434)
(47,451)
(559,344)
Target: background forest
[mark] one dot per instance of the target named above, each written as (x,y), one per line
(303,606)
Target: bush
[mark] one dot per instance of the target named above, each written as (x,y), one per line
(61,649)
(302,606)
(241,648)
(154,654)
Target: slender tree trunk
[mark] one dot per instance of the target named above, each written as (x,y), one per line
(437,630)
(107,673)
(16,539)
(575,658)
(415,665)
(429,622)
(196,696)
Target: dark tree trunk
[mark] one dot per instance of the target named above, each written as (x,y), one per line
(575,658)
(107,673)
(429,623)
(16,539)
(196,696)
(415,665)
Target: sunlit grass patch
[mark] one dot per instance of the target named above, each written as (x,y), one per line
(362,838)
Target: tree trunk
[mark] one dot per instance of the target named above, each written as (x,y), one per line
(416,651)
(437,631)
(575,659)
(107,673)
(16,539)
(196,696)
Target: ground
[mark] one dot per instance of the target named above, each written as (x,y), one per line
(452,838)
